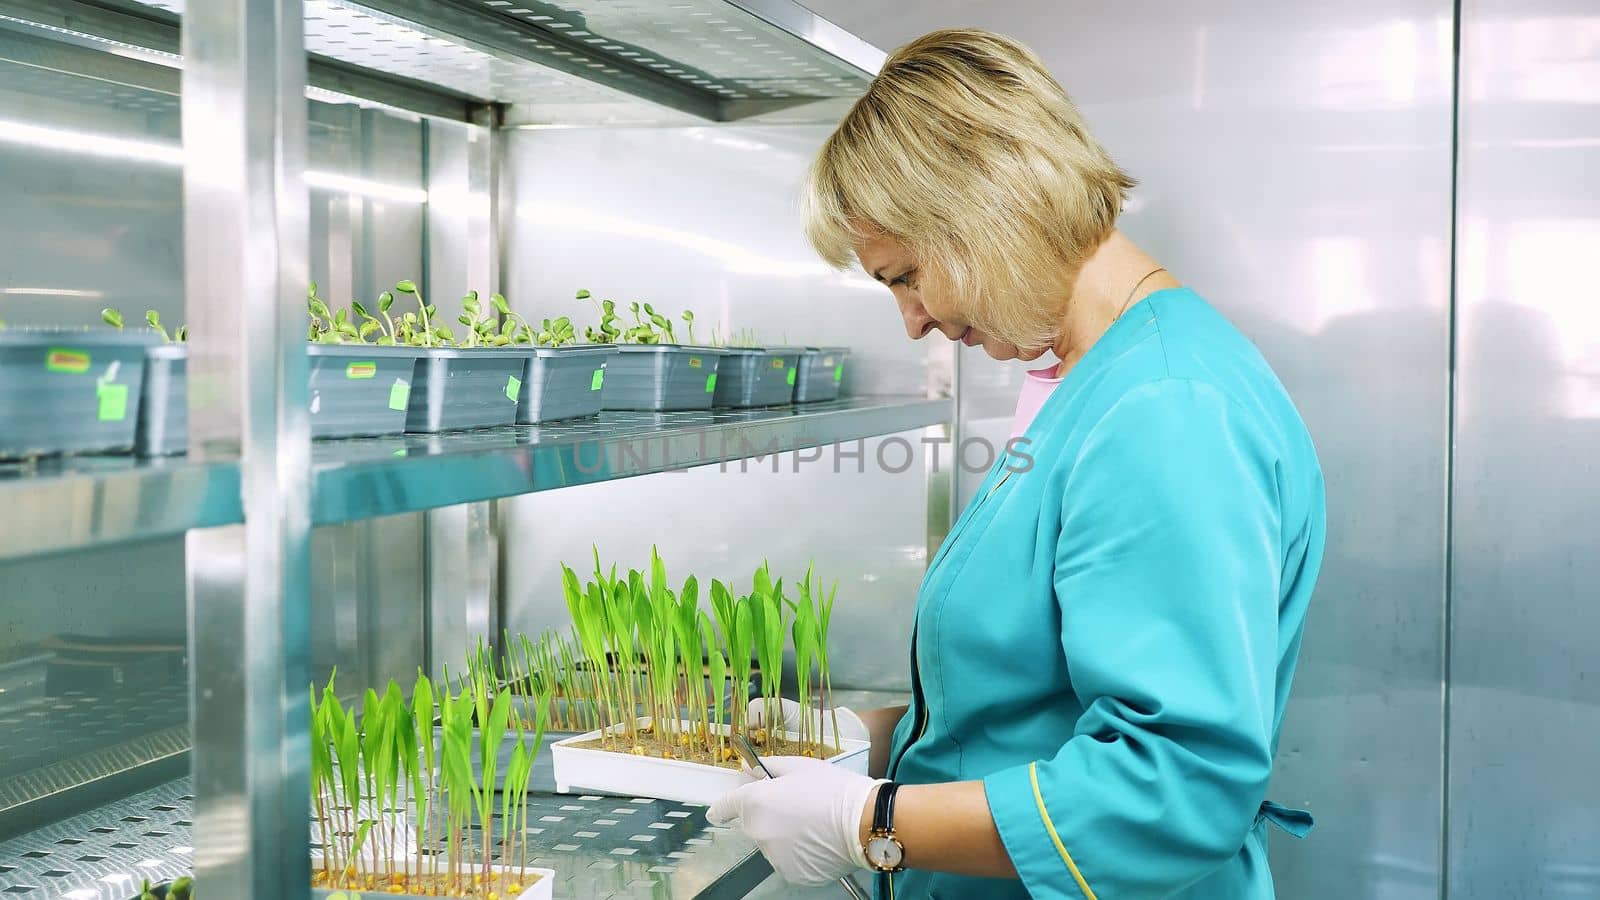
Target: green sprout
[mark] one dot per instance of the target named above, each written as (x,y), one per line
(111,317)
(514,329)
(154,318)
(481,329)
(369,323)
(642,657)
(688,318)
(428,335)
(324,327)
(389,772)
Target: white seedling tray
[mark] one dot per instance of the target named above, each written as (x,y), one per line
(543,887)
(578,770)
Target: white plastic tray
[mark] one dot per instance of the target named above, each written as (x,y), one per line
(543,888)
(578,770)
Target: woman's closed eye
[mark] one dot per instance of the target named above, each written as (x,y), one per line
(904,278)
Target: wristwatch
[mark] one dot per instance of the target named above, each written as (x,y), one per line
(884,851)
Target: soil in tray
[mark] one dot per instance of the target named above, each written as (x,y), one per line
(465,886)
(647,743)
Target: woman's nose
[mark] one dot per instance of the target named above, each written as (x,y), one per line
(918,322)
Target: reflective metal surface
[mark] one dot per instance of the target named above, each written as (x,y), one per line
(1294,162)
(134,40)
(714,59)
(381,476)
(461,559)
(65,504)
(245,229)
(578,61)
(706,219)
(1524,670)
(599,847)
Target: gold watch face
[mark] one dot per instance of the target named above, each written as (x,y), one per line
(884,853)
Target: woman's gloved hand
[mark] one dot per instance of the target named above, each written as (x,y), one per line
(806,819)
(851,728)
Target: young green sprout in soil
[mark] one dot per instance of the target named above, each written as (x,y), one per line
(649,326)
(388,783)
(418,329)
(652,671)
(113,317)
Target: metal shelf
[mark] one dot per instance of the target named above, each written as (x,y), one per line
(63,504)
(599,847)
(564,62)
(82,501)
(361,479)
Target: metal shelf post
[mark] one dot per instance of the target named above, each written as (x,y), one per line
(245,242)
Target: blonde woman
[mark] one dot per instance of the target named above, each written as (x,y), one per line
(1103,646)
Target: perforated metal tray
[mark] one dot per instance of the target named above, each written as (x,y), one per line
(600,61)
(599,847)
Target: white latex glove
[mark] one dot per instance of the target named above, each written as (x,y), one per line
(806,819)
(850,725)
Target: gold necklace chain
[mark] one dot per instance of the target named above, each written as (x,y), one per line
(1129,302)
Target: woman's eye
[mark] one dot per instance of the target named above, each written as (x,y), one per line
(903,279)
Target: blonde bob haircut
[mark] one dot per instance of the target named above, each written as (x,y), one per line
(966,150)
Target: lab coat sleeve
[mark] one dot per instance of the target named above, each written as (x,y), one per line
(1166,572)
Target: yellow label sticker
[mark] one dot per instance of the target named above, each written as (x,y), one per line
(113,402)
(598,379)
(694,362)
(72,362)
(827,361)
(399,394)
(711,383)
(790,377)
(513,388)
(358,370)
(777,363)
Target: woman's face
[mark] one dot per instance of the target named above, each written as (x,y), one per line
(924,312)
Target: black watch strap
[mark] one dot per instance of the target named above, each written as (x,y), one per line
(883,808)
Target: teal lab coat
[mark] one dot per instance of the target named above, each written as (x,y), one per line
(1107,638)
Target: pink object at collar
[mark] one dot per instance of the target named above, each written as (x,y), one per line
(1036,389)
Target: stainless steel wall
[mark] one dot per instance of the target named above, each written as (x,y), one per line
(705,218)
(89,180)
(1295,164)
(1524,669)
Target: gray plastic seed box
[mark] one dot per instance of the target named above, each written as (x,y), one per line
(467,387)
(360,390)
(661,377)
(164,402)
(69,390)
(820,373)
(563,382)
(757,376)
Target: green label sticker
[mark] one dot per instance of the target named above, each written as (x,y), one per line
(777,363)
(598,379)
(513,388)
(399,394)
(838,372)
(694,362)
(73,362)
(711,383)
(790,377)
(358,370)
(113,402)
